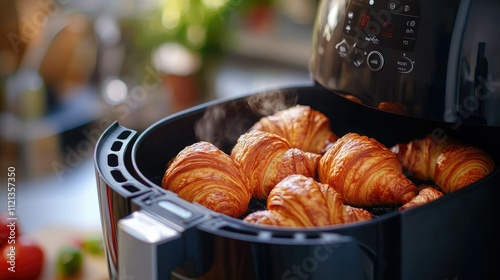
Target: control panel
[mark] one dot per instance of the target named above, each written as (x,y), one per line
(374,29)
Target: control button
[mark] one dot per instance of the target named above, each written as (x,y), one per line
(392,5)
(407,43)
(357,56)
(404,65)
(375,60)
(343,48)
(409,8)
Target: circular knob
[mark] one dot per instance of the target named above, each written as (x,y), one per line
(375,60)
(404,65)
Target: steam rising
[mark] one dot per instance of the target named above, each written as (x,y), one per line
(223,124)
(213,126)
(266,104)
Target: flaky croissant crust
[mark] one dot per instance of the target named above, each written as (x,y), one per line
(450,164)
(204,174)
(458,166)
(419,157)
(305,128)
(424,196)
(300,201)
(267,158)
(271,218)
(365,172)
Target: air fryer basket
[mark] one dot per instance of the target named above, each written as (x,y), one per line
(222,122)
(431,241)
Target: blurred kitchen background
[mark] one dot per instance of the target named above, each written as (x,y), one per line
(69,68)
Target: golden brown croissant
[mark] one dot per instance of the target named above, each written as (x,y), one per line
(267,158)
(450,164)
(419,157)
(425,195)
(305,128)
(459,166)
(365,172)
(300,201)
(204,174)
(272,218)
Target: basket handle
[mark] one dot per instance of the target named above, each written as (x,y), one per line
(142,240)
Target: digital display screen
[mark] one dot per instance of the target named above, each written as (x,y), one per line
(382,27)
(386,28)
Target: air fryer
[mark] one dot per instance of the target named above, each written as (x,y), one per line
(441,79)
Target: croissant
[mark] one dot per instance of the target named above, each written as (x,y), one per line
(267,158)
(204,174)
(272,218)
(365,172)
(300,201)
(425,195)
(419,157)
(459,166)
(306,129)
(450,164)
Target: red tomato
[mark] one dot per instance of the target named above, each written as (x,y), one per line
(25,257)
(7,228)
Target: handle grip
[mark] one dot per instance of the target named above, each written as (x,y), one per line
(148,249)
(161,237)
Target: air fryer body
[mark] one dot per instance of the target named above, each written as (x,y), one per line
(413,68)
(151,233)
(436,59)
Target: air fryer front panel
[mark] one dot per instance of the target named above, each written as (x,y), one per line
(431,59)
(212,246)
(454,239)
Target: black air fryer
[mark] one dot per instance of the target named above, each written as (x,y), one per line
(432,61)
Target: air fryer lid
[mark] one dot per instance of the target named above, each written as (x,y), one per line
(424,58)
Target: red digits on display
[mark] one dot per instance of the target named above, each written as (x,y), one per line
(387,29)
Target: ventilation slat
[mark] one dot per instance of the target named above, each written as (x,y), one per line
(117,145)
(112,160)
(124,135)
(118,176)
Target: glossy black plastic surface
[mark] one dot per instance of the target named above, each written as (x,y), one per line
(437,58)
